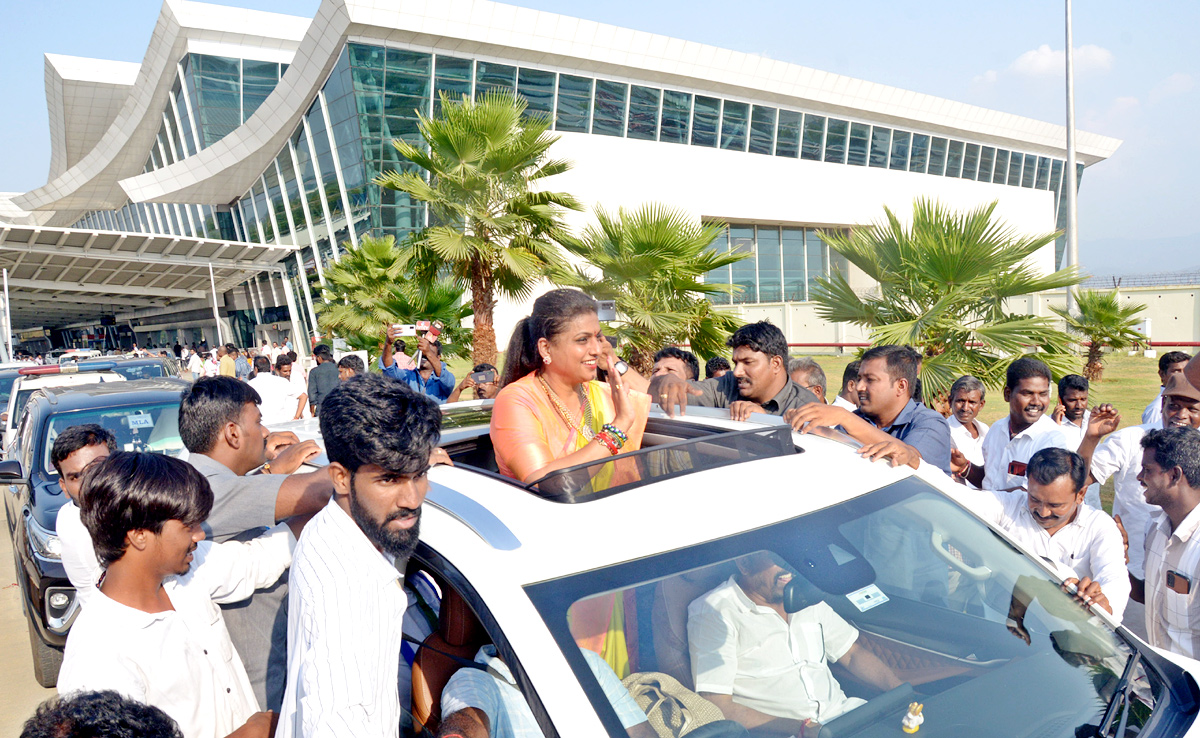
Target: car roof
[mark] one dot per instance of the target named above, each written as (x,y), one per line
(501,526)
(111,394)
(66,380)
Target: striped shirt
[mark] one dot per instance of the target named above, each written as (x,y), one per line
(345,612)
(1173,619)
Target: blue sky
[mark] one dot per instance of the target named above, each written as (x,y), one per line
(1138,79)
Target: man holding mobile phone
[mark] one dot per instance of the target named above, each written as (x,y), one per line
(1171,477)
(432,377)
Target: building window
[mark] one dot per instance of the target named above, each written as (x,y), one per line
(734,119)
(574,103)
(783,265)
(787,140)
(644,103)
(705,121)
(676,116)
(608,118)
(814,137)
(762,130)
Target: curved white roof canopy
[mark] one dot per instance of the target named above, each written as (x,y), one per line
(91,183)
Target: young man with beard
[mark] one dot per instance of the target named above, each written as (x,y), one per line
(1169,364)
(346,604)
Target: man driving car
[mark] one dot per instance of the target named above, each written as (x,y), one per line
(766,668)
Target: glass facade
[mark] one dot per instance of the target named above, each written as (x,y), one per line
(783,265)
(318,192)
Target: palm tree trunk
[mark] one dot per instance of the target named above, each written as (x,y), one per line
(1094,368)
(483,303)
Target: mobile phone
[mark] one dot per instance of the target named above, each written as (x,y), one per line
(1017,468)
(483,377)
(606,310)
(1178,583)
(405,329)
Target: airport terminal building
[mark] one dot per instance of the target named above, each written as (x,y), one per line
(248,141)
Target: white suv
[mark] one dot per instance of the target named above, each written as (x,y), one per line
(32,378)
(928,586)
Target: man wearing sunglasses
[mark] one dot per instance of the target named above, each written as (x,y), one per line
(77,450)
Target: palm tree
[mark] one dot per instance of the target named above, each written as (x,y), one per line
(942,284)
(1103,322)
(652,262)
(369,287)
(492,232)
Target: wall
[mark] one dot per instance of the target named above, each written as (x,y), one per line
(738,186)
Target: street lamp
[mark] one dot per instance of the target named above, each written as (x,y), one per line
(1070,179)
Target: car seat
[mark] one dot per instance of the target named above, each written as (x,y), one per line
(669,616)
(459,634)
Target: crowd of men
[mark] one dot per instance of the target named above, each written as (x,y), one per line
(243,597)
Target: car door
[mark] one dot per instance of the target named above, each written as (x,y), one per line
(17,491)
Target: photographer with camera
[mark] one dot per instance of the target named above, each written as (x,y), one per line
(482,379)
(431,378)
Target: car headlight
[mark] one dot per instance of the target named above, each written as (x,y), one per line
(44,543)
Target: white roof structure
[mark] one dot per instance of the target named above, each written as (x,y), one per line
(224,171)
(67,275)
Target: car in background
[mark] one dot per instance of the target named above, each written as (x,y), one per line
(146,367)
(614,551)
(144,416)
(78,354)
(32,378)
(8,375)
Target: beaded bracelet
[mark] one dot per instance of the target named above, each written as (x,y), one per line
(616,432)
(608,442)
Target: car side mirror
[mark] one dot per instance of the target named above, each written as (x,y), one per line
(11,469)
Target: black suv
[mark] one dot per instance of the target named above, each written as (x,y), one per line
(144,416)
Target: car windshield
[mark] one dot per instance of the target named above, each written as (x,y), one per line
(150,427)
(6,385)
(140,371)
(892,598)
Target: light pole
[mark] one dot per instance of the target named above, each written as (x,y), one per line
(1069,177)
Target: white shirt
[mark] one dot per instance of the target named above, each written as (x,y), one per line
(212,367)
(279,398)
(842,402)
(774,666)
(960,438)
(300,380)
(180,660)
(345,612)
(78,554)
(999,451)
(1173,619)
(1152,415)
(1074,433)
(195,365)
(1090,545)
(1120,456)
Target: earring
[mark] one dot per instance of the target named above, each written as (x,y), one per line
(546,358)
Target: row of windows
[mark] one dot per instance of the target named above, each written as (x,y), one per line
(782,263)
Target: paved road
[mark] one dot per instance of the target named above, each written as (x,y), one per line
(20,694)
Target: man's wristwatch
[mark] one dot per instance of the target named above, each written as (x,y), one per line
(621,367)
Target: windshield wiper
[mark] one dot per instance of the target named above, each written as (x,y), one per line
(1120,697)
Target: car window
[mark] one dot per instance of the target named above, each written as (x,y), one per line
(962,622)
(152,428)
(22,400)
(25,436)
(140,371)
(6,385)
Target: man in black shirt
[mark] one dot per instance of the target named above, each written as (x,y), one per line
(323,378)
(759,382)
